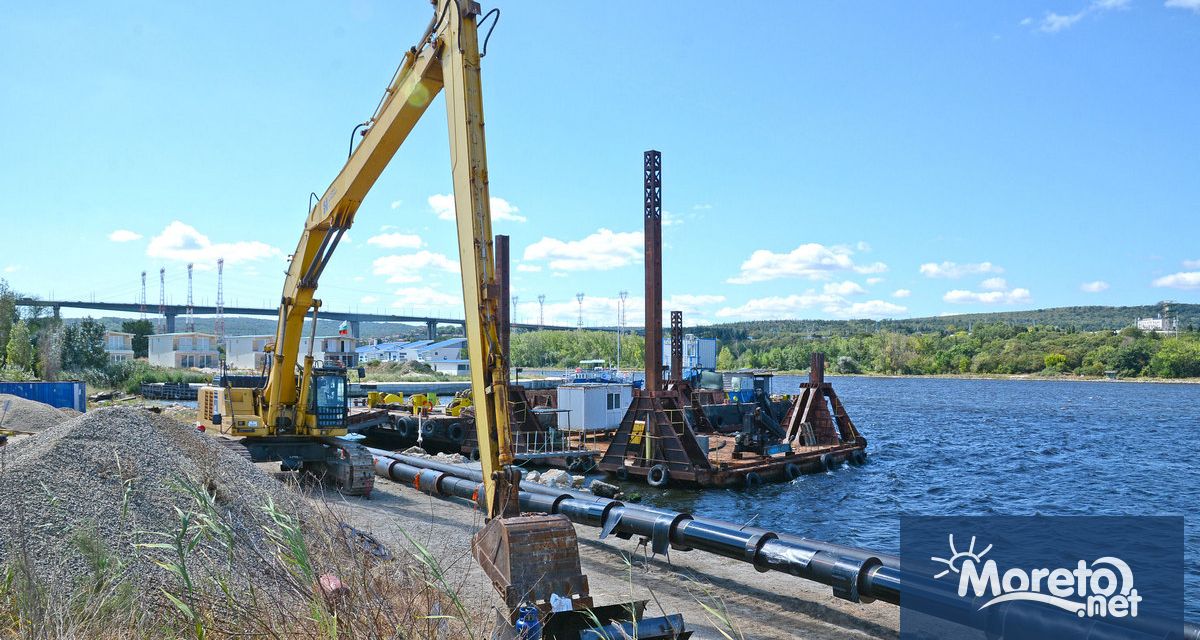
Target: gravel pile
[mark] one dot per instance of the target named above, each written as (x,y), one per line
(114,475)
(28,415)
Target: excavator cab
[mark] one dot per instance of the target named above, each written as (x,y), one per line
(327,401)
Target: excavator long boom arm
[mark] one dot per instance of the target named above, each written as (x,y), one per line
(447,57)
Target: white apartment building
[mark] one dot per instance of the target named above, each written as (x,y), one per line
(184,350)
(118,345)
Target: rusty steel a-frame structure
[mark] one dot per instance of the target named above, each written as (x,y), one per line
(665,434)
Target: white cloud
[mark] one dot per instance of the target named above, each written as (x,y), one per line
(812,260)
(901,293)
(669,219)
(124,235)
(368,299)
(396,241)
(863,246)
(1193,5)
(599,251)
(962,296)
(502,210)
(702,207)
(411,267)
(1183,280)
(689,304)
(1095,286)
(424,297)
(12,268)
(795,305)
(875,280)
(994,284)
(396,204)
(1055,22)
(1192,264)
(182,242)
(529,268)
(954,270)
(844,288)
(871,309)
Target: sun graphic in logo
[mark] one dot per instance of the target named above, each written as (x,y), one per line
(954,563)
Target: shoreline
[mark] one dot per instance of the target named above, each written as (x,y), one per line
(990,376)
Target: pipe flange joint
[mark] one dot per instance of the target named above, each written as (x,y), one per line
(868,565)
(429,481)
(661,533)
(753,545)
(847,577)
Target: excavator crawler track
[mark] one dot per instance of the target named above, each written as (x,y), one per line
(350,466)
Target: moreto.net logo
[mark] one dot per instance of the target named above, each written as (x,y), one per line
(1102,588)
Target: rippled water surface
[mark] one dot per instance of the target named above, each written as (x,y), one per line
(978,447)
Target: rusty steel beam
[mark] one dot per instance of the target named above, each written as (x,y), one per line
(652,174)
(677,346)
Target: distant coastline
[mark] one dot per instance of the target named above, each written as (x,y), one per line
(992,376)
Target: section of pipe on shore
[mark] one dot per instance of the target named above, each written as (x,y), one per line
(857,575)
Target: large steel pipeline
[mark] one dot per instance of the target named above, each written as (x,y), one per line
(857,577)
(460,471)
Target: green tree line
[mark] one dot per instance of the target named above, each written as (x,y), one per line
(566,348)
(988,348)
(985,349)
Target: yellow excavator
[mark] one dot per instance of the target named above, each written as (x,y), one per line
(297,414)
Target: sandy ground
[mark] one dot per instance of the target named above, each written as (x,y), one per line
(758,605)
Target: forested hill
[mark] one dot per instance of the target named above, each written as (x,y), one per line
(1094,318)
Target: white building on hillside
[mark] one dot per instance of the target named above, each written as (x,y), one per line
(183,350)
(247,352)
(118,345)
(332,351)
(1157,325)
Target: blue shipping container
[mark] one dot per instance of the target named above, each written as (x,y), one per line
(55,394)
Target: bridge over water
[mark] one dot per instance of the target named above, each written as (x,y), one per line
(354,319)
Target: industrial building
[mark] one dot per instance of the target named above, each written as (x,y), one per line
(699,354)
(184,350)
(118,345)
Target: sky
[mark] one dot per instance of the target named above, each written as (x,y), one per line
(820,159)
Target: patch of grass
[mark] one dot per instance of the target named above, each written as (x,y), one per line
(130,375)
(204,590)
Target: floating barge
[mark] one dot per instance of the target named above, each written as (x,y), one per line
(666,442)
(666,437)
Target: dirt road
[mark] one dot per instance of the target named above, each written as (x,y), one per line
(755,605)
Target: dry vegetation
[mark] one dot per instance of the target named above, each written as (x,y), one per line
(105,535)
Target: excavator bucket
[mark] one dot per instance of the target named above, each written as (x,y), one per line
(531,557)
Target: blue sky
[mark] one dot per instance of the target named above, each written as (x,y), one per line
(821,160)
